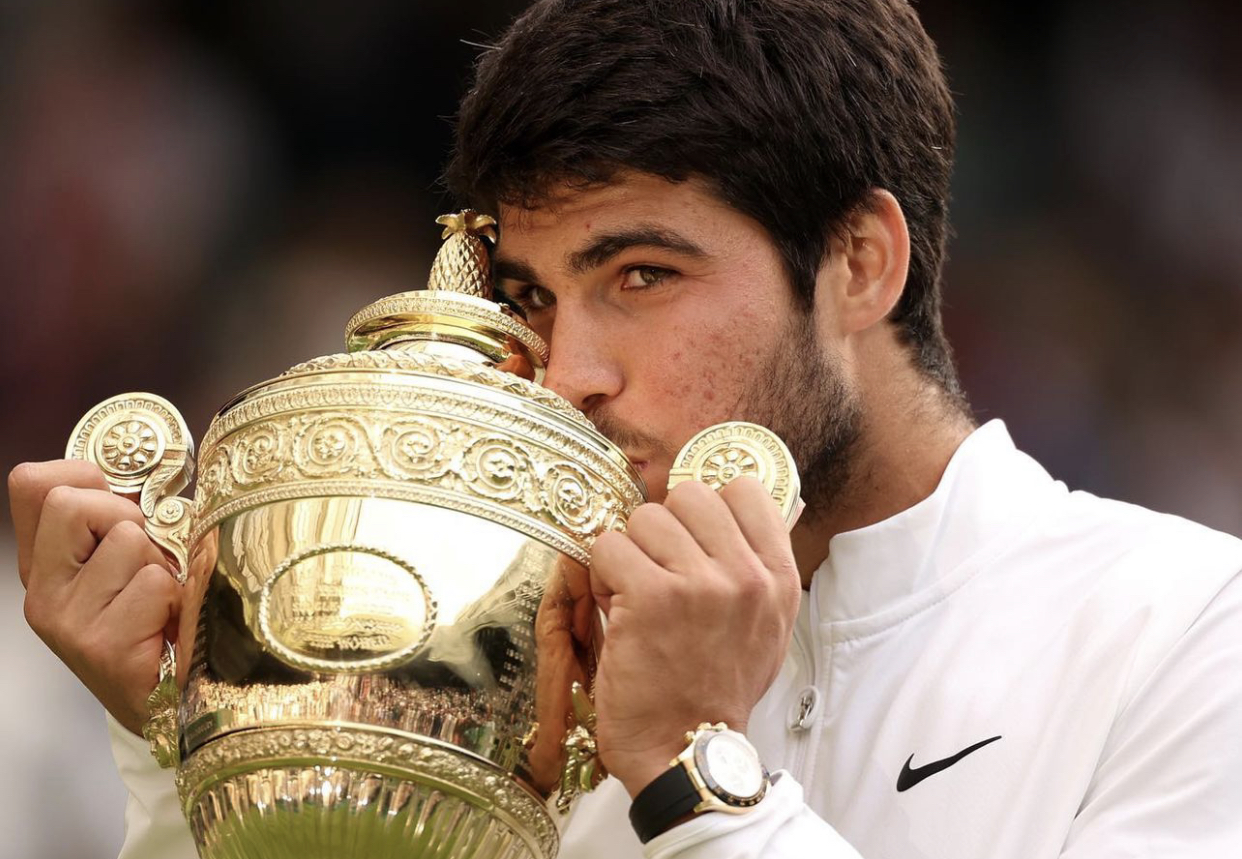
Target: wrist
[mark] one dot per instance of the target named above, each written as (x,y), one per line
(718,771)
(639,769)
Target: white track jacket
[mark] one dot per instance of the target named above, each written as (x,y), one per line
(1006,670)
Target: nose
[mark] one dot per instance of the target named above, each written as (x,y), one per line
(583,366)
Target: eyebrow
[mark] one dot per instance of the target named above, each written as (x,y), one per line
(607,245)
(601,249)
(505,269)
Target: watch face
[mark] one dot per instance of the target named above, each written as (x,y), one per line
(730,767)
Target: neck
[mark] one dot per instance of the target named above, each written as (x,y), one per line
(905,445)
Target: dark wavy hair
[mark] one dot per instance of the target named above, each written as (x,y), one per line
(792,111)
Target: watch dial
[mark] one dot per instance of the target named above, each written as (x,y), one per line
(733,766)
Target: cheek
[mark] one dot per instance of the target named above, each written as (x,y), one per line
(704,372)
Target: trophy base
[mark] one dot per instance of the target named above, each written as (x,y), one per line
(342,791)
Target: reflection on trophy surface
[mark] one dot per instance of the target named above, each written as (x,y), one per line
(388,636)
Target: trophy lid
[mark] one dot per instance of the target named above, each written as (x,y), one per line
(455,315)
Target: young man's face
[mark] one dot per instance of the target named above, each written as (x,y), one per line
(668,311)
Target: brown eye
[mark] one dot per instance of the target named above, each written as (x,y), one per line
(541,298)
(643,276)
(533,298)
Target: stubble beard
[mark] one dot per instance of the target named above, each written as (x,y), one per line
(802,396)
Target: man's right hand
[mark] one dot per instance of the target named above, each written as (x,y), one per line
(98,590)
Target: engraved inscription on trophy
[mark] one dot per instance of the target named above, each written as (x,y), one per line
(345,608)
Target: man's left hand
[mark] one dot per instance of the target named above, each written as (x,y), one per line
(701,595)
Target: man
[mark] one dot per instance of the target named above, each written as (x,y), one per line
(726,210)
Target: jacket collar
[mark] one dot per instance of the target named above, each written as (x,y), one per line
(882,573)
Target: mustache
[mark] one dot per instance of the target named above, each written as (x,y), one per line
(628,438)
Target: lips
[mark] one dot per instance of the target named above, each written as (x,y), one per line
(637,459)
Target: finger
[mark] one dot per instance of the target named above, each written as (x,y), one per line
(619,568)
(29,484)
(660,535)
(72,524)
(147,605)
(760,521)
(707,518)
(123,552)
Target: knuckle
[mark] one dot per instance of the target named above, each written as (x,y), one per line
(713,596)
(645,515)
(749,577)
(29,480)
(62,500)
(149,581)
(677,587)
(43,619)
(606,543)
(690,492)
(753,580)
(129,534)
(33,610)
(23,479)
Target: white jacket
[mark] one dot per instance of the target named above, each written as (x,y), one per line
(1100,642)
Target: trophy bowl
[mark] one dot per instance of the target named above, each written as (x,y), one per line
(387,636)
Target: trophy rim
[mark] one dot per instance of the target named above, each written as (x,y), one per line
(577,425)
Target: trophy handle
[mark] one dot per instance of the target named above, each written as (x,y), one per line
(161,727)
(143,447)
(583,770)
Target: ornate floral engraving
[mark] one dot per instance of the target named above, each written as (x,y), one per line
(259,454)
(725,466)
(725,452)
(571,497)
(130,445)
(496,467)
(125,404)
(413,448)
(216,478)
(143,447)
(170,511)
(346,433)
(127,435)
(334,444)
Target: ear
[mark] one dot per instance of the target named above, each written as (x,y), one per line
(866,271)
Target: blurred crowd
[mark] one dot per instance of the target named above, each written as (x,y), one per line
(196,195)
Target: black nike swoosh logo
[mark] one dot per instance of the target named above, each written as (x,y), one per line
(910,777)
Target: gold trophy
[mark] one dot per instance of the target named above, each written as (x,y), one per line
(387,634)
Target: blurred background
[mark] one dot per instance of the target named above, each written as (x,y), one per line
(196,195)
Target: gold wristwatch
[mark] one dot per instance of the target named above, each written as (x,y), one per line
(719,770)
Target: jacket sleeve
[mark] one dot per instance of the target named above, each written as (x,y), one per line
(780,827)
(1169,782)
(154,825)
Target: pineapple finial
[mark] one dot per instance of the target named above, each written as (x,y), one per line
(462,263)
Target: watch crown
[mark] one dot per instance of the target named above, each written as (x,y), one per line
(689,736)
